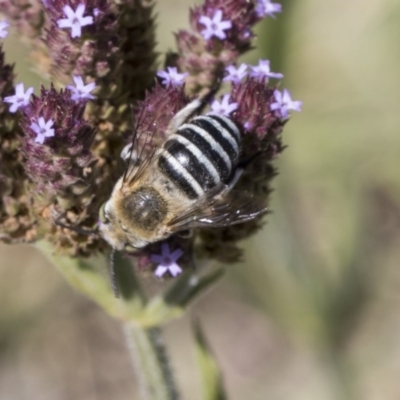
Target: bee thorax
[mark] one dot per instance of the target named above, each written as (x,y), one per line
(145,208)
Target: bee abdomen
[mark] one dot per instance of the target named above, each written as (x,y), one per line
(201,154)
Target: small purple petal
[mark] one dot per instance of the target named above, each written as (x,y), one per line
(235,74)
(175,270)
(266,7)
(167,261)
(3,31)
(81,91)
(75,20)
(224,107)
(172,77)
(214,26)
(42,129)
(284,103)
(263,70)
(20,99)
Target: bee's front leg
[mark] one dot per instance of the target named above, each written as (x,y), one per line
(129,154)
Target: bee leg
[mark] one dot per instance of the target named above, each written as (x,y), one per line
(182,115)
(193,107)
(236,176)
(187,234)
(113,277)
(128,153)
(239,170)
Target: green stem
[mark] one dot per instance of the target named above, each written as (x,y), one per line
(151,362)
(341,374)
(88,276)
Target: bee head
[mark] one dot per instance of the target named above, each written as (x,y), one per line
(130,221)
(111,230)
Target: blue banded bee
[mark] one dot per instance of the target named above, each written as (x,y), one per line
(185,183)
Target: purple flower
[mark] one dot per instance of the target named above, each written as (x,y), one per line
(20,99)
(172,77)
(248,126)
(224,107)
(167,261)
(266,7)
(284,103)
(81,91)
(235,74)
(75,20)
(214,26)
(42,129)
(263,70)
(3,26)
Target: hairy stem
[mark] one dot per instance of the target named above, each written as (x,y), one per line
(151,363)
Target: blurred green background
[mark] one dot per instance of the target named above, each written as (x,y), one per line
(313,311)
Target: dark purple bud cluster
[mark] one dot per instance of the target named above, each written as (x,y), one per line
(154,113)
(254,115)
(15,222)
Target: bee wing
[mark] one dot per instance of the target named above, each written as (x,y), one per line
(232,207)
(140,154)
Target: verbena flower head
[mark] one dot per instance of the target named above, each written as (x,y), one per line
(283,103)
(220,32)
(81,91)
(167,261)
(58,161)
(20,98)
(75,19)
(172,77)
(266,7)
(3,29)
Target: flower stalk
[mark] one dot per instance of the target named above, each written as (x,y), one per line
(151,362)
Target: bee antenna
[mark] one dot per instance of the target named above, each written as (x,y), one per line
(81,231)
(112,273)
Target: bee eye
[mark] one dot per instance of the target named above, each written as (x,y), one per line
(102,214)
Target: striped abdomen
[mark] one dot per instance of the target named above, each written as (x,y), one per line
(201,154)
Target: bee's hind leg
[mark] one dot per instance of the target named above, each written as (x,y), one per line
(183,115)
(188,111)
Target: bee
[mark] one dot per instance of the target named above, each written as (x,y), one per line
(185,183)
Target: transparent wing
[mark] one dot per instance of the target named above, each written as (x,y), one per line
(141,153)
(219,210)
